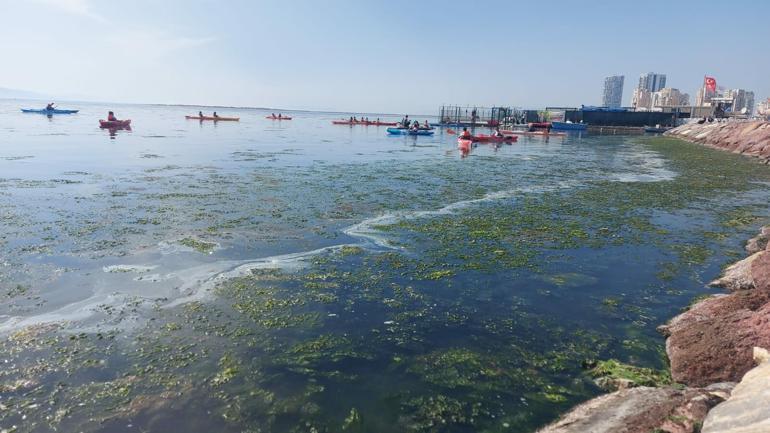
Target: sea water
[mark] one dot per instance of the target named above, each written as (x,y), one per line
(283,276)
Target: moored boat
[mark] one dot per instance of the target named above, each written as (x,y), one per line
(656,129)
(569,126)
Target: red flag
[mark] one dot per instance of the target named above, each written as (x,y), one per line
(711,83)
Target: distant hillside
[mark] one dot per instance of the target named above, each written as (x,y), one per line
(20,94)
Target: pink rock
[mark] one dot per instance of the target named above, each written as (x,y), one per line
(713,341)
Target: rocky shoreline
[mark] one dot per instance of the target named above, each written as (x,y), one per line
(747,138)
(720,370)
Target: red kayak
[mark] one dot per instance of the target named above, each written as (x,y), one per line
(278,118)
(348,122)
(482,138)
(115,123)
(540,125)
(534,133)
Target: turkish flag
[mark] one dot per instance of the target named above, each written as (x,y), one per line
(711,83)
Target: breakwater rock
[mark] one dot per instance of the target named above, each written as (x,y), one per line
(748,138)
(746,411)
(643,410)
(715,343)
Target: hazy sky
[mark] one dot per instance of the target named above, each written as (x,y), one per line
(393,56)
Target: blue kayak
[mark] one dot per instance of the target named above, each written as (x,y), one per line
(402,131)
(44,111)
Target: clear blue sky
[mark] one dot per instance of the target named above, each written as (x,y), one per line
(393,56)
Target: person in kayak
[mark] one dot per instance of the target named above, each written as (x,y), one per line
(279,115)
(49,107)
(215,115)
(200,114)
(426,125)
(497,133)
(466,135)
(111,117)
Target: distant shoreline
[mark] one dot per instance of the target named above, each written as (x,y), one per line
(283,110)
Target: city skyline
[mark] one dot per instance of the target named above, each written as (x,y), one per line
(343,58)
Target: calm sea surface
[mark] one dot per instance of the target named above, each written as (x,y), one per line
(298,276)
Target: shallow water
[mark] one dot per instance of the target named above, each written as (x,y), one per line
(300,276)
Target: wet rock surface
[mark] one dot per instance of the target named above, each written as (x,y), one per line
(642,410)
(713,340)
(748,138)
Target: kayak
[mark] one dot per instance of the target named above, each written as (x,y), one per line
(534,133)
(464,142)
(278,118)
(115,123)
(215,119)
(482,138)
(348,122)
(44,111)
(540,125)
(396,131)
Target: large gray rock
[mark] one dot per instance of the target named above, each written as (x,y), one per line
(738,276)
(642,410)
(748,409)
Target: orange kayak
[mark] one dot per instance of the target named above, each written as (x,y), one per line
(115,123)
(278,118)
(216,119)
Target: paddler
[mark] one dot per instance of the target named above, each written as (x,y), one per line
(216,115)
(466,135)
(498,133)
(49,107)
(111,117)
(200,114)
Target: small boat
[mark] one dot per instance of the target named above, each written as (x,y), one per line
(278,118)
(569,126)
(482,138)
(655,129)
(215,119)
(371,123)
(44,111)
(404,131)
(115,124)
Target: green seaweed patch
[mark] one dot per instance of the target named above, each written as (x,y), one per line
(198,245)
(637,376)
(350,250)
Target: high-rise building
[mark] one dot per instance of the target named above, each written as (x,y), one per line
(642,99)
(613,91)
(763,109)
(652,82)
(669,97)
(741,99)
(703,98)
